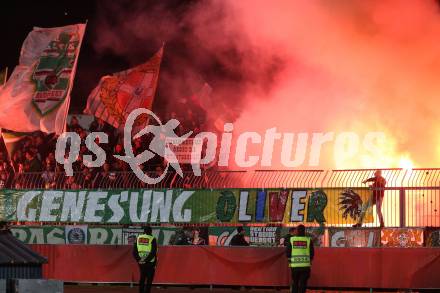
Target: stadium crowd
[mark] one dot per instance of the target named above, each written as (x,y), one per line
(32,163)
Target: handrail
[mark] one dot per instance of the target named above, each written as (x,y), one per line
(231,179)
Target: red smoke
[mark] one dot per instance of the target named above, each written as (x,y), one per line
(351,66)
(302,66)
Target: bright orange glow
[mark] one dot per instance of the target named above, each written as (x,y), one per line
(386,154)
(406,163)
(367,75)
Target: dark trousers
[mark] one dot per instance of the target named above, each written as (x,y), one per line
(146,279)
(379,211)
(300,276)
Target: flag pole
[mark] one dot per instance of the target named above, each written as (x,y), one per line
(6,76)
(4,83)
(163,49)
(73,77)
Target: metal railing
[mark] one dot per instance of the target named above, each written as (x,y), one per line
(208,179)
(412,197)
(396,178)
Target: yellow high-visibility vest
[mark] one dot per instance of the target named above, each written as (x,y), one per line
(300,257)
(144,246)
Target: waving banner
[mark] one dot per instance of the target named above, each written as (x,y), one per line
(83,234)
(119,94)
(312,206)
(37,95)
(222,236)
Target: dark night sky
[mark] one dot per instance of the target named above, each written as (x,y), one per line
(21,16)
(188,60)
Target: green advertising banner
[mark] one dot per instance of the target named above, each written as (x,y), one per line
(39,235)
(222,236)
(265,236)
(84,234)
(324,206)
(319,236)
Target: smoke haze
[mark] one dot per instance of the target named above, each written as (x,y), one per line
(300,66)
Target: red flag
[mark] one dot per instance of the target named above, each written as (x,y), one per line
(119,94)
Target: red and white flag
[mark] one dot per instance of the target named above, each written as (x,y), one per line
(117,95)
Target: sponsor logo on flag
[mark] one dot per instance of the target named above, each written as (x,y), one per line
(53,70)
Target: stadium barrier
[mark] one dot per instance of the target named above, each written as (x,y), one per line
(204,265)
(411,201)
(216,235)
(210,179)
(412,197)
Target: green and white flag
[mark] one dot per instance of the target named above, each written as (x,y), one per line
(3,76)
(37,94)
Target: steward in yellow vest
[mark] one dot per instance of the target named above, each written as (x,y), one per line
(300,252)
(145,253)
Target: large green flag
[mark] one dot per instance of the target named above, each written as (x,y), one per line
(37,94)
(180,206)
